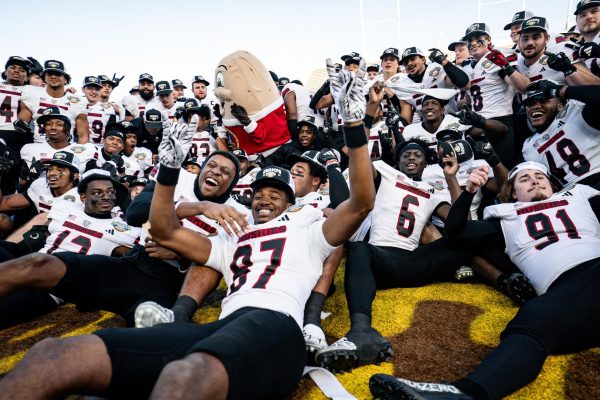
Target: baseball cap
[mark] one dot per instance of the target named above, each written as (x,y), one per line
(352,58)
(391,51)
(311,157)
(16,60)
(65,159)
(518,17)
(54,66)
(446,134)
(373,67)
(200,79)
(452,46)
(191,104)
(240,154)
(412,51)
(54,112)
(275,177)
(105,79)
(153,119)
(281,82)
(311,121)
(139,182)
(192,160)
(532,23)
(572,29)
(178,82)
(115,129)
(146,77)
(98,174)
(478,28)
(163,88)
(583,4)
(527,165)
(134,89)
(91,81)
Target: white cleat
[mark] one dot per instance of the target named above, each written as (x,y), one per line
(314,338)
(149,313)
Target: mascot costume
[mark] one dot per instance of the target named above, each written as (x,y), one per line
(251,105)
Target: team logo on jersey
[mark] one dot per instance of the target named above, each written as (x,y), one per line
(294,208)
(394,79)
(86,223)
(77,149)
(73,99)
(563,112)
(435,72)
(120,226)
(453,126)
(72,217)
(140,156)
(69,197)
(486,64)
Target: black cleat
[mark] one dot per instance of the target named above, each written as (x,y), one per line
(517,287)
(388,387)
(359,347)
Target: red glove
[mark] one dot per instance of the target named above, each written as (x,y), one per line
(497,57)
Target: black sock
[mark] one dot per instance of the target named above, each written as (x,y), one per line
(313,308)
(471,388)
(359,320)
(184,308)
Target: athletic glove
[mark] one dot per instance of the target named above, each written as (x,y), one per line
(497,58)
(32,173)
(468,117)
(22,126)
(347,91)
(6,163)
(116,80)
(484,150)
(560,62)
(328,157)
(175,145)
(118,162)
(437,56)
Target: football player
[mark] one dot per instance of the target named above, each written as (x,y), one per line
(203,142)
(166,102)
(242,191)
(200,91)
(515,25)
(587,14)
(553,237)
(99,113)
(35,100)
(178,88)
(296,99)
(136,105)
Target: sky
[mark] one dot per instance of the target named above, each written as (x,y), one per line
(182,38)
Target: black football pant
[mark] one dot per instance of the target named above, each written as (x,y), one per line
(370,267)
(565,319)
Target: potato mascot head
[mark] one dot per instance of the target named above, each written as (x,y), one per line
(251,106)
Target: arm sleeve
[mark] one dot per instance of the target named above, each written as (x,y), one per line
(292,125)
(338,189)
(138,211)
(457,76)
(589,95)
(323,90)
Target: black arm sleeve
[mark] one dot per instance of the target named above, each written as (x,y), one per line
(457,76)
(472,232)
(138,211)
(338,189)
(91,164)
(387,153)
(590,95)
(292,125)
(323,90)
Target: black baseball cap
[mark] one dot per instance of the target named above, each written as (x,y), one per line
(583,4)
(411,51)
(105,79)
(134,89)
(54,112)
(98,174)
(146,77)
(200,79)
(519,17)
(153,119)
(65,159)
(446,134)
(16,60)
(373,67)
(478,28)
(277,177)
(534,23)
(92,81)
(311,121)
(311,157)
(452,46)
(139,182)
(240,154)
(178,82)
(352,58)
(163,88)
(572,30)
(391,51)
(281,82)
(55,66)
(192,160)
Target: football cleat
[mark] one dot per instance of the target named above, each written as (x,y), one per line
(359,347)
(149,313)
(464,273)
(517,287)
(384,386)
(315,340)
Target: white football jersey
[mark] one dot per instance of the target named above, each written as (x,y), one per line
(416,130)
(132,166)
(303,97)
(546,238)
(273,266)
(315,199)
(569,147)
(402,208)
(9,105)
(490,95)
(242,188)
(213,103)
(71,229)
(374,140)
(184,192)
(168,114)
(385,104)
(44,152)
(98,116)
(202,145)
(593,64)
(42,197)
(143,156)
(135,105)
(37,100)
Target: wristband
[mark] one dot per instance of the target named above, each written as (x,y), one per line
(355,136)
(368,121)
(168,176)
(508,71)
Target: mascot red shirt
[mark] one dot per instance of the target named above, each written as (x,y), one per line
(243,80)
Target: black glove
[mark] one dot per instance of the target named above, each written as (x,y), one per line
(30,174)
(116,80)
(110,167)
(35,238)
(468,117)
(22,127)
(484,150)
(260,160)
(243,200)
(549,88)
(328,157)
(118,161)
(560,62)
(392,119)
(589,50)
(6,163)
(385,136)
(437,56)
(240,114)
(327,128)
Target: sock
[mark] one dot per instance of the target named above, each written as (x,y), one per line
(184,308)
(313,308)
